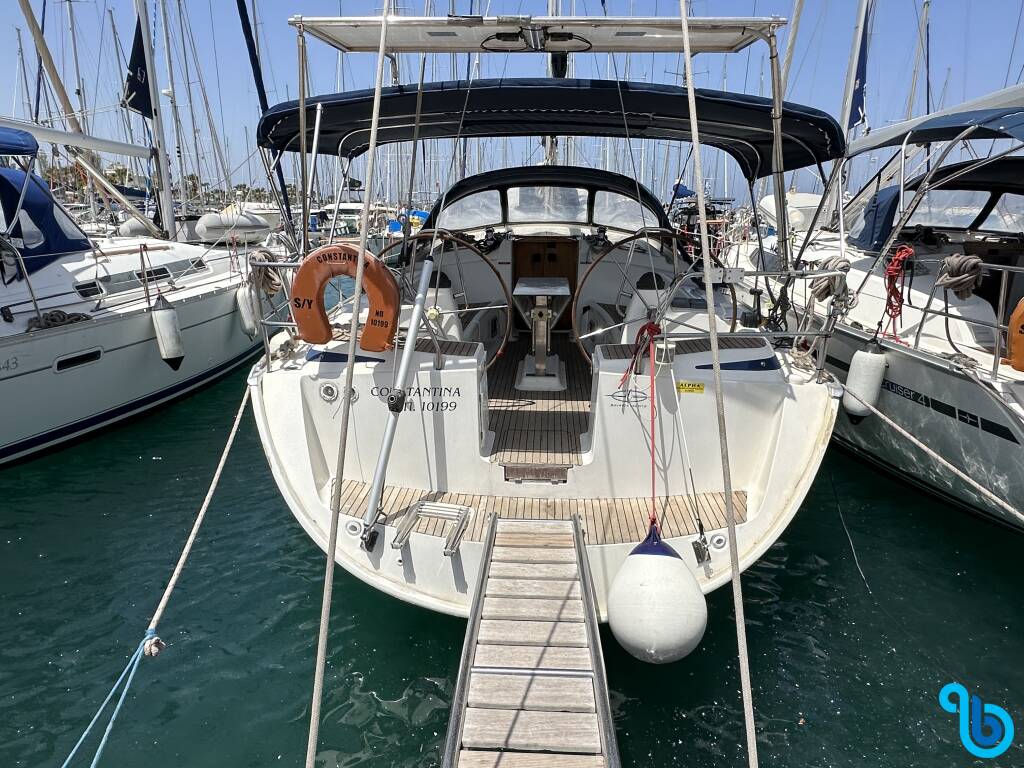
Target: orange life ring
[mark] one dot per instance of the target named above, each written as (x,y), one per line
(307,292)
(1015,338)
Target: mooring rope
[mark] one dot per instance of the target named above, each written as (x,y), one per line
(716,366)
(151,644)
(332,536)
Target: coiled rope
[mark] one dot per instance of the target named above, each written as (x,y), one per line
(56,318)
(266,279)
(822,288)
(151,644)
(961,274)
(827,286)
(895,283)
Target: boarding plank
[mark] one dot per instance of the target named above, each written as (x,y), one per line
(535,609)
(533,555)
(534,526)
(554,539)
(531,731)
(563,571)
(484,759)
(497,587)
(550,693)
(530,632)
(532,657)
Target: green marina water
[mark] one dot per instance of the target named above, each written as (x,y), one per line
(852,634)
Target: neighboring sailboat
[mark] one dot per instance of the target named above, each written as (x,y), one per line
(85,323)
(931,335)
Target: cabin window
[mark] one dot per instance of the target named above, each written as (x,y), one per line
(532,204)
(88,290)
(31,235)
(82,358)
(156,273)
(472,212)
(617,211)
(948,208)
(1007,216)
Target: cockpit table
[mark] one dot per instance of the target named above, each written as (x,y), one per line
(541,301)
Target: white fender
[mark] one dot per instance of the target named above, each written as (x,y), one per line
(168,332)
(656,608)
(246,310)
(864,379)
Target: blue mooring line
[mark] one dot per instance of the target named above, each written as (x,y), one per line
(129,672)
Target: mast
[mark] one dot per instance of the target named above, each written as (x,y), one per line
(859,30)
(794,28)
(121,60)
(164,192)
(918,51)
(79,85)
(172,98)
(261,92)
(218,151)
(24,79)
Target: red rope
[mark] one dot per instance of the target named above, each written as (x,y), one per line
(647,331)
(645,337)
(654,498)
(895,283)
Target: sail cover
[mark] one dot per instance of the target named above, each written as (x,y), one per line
(136,85)
(16,142)
(738,124)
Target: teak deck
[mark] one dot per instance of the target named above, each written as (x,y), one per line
(606,521)
(530,694)
(538,427)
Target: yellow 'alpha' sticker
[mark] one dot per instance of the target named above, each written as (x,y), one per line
(690,387)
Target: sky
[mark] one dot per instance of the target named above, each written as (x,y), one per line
(975,49)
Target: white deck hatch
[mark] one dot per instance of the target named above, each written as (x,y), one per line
(526,34)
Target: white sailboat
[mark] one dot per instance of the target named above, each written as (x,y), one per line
(93,331)
(930,335)
(82,341)
(504,363)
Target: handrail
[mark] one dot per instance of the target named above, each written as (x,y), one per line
(604,713)
(453,739)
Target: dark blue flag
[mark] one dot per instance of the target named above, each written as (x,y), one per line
(136,86)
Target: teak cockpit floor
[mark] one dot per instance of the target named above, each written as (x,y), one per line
(538,427)
(607,521)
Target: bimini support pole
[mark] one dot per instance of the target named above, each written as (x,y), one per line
(396,404)
(778,168)
(716,365)
(346,408)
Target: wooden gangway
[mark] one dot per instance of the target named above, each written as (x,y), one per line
(531,690)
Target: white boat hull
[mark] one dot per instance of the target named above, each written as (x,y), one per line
(948,411)
(48,399)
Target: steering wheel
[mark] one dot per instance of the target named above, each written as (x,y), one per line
(665,236)
(438,237)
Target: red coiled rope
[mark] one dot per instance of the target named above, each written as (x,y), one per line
(895,283)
